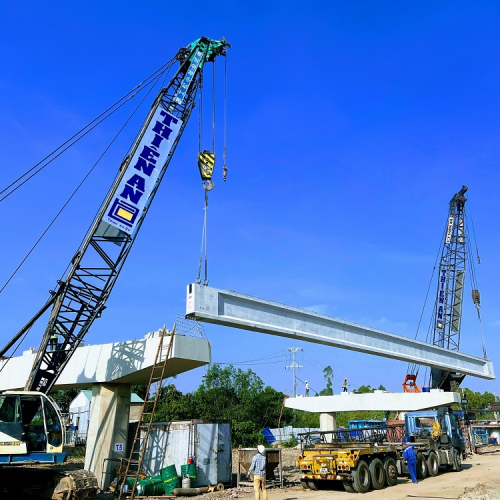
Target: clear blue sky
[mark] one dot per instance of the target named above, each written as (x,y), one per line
(350,127)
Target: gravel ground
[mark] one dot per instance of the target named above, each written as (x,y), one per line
(479,480)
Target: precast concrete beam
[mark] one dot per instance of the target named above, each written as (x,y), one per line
(228,308)
(376,401)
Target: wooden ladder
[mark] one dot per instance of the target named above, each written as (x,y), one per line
(147,412)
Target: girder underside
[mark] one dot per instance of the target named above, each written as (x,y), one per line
(228,308)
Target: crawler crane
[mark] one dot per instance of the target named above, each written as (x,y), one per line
(31,426)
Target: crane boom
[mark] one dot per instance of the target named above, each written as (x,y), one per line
(81,296)
(450,290)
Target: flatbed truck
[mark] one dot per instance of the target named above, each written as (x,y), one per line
(372,458)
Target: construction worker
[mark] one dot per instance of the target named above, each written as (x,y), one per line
(258,468)
(345,385)
(411,460)
(307,389)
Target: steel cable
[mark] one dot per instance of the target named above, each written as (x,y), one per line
(76,190)
(413,368)
(83,132)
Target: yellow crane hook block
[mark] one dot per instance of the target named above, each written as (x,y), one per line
(206,163)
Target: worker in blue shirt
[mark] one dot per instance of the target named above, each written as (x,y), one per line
(411,460)
(258,468)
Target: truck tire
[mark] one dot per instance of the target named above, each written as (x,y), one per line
(361,477)
(457,460)
(313,484)
(304,484)
(422,471)
(348,487)
(377,474)
(432,464)
(391,471)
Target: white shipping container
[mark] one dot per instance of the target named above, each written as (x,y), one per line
(174,442)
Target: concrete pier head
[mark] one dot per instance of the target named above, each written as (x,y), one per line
(111,369)
(108,429)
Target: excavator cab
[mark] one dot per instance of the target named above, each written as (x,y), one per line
(31,428)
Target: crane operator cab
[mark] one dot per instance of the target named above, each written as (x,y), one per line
(30,428)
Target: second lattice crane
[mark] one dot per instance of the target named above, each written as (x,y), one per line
(445,326)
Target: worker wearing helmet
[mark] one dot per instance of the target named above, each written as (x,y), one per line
(307,389)
(258,468)
(345,385)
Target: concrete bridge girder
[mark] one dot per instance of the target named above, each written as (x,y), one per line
(228,308)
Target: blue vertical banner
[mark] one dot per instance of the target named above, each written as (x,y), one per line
(441,299)
(142,172)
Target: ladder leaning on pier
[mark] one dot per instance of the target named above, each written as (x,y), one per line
(136,457)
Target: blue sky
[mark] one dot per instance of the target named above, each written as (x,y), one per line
(350,127)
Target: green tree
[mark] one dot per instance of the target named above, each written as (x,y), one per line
(228,394)
(173,405)
(140,390)
(364,389)
(64,397)
(306,419)
(478,401)
(328,376)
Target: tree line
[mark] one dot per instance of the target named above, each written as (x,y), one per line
(229,394)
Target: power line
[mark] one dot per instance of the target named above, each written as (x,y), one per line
(265,359)
(313,362)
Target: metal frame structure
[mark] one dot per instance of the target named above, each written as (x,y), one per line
(80,298)
(450,289)
(392,433)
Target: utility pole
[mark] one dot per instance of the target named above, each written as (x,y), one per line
(294,367)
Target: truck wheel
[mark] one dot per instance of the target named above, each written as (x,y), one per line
(304,484)
(361,477)
(432,464)
(348,487)
(391,471)
(457,460)
(422,472)
(377,474)
(314,485)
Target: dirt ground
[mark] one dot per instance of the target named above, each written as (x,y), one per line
(478,480)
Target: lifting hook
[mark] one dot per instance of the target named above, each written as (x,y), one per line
(206,163)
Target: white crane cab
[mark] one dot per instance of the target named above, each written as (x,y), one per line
(31,429)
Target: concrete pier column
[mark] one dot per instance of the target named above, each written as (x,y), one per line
(108,429)
(328,422)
